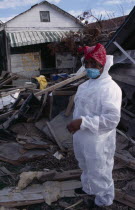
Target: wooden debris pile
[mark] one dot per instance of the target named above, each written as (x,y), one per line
(53,186)
(17,145)
(7,79)
(35,142)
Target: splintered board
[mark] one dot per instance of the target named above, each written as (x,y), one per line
(58,129)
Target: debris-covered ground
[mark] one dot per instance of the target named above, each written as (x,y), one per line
(38,169)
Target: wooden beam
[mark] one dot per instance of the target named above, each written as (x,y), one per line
(8,80)
(37,194)
(51,106)
(129,162)
(42,106)
(67,175)
(8,122)
(125,198)
(127,137)
(128,112)
(70,106)
(26,178)
(60,84)
(5,115)
(48,192)
(52,88)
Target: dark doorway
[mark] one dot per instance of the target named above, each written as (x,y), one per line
(47,59)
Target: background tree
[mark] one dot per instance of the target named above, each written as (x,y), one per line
(90,34)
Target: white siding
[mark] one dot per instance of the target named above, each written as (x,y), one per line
(30,20)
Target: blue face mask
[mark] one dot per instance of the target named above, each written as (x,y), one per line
(92,73)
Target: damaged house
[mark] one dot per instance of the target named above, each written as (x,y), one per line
(38,169)
(28,36)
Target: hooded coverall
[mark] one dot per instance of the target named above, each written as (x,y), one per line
(98,104)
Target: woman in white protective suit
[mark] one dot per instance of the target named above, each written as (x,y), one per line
(96,116)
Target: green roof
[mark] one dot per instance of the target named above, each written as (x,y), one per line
(24,38)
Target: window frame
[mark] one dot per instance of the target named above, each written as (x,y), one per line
(41,20)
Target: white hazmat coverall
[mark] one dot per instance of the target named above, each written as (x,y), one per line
(98,104)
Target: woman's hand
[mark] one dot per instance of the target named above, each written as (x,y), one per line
(74,125)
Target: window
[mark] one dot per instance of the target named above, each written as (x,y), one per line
(45,16)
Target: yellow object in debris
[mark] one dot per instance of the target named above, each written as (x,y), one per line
(42,81)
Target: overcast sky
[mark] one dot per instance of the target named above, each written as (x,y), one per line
(108,8)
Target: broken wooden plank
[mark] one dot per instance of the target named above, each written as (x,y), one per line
(15,154)
(4,208)
(119,165)
(121,142)
(3,93)
(32,142)
(5,172)
(128,112)
(42,106)
(74,205)
(9,89)
(8,100)
(59,125)
(119,175)
(7,114)
(9,121)
(51,106)
(130,187)
(67,175)
(54,136)
(26,178)
(60,84)
(125,198)
(127,137)
(70,106)
(130,163)
(8,80)
(48,192)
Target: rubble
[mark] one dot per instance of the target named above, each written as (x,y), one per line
(77,203)
(15,153)
(48,192)
(7,99)
(58,155)
(125,198)
(51,191)
(32,142)
(7,78)
(56,130)
(32,130)
(27,177)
